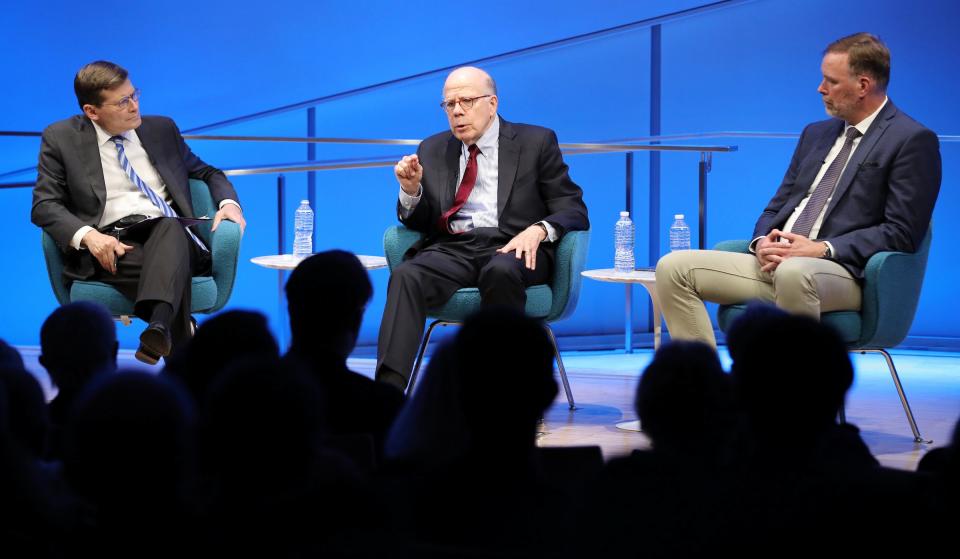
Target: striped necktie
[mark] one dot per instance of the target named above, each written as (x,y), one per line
(146,190)
(824,189)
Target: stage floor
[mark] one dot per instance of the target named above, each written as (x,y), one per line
(604,383)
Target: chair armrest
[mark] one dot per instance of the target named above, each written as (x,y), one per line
(739,245)
(397,240)
(891,293)
(54,259)
(224,254)
(569,261)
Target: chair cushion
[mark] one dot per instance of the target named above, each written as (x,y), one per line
(466,301)
(204,295)
(847,323)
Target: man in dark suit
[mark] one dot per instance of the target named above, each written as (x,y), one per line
(104,171)
(863,182)
(492,197)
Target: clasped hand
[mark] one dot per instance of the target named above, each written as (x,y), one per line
(777,246)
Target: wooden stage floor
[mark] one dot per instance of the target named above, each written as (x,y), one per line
(603,385)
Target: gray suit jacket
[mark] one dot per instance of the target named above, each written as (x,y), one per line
(70,191)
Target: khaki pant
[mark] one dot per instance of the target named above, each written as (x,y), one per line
(685,279)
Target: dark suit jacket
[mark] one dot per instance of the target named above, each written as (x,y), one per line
(70,191)
(533,183)
(883,200)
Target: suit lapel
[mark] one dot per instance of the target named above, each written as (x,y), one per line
(450,173)
(508,161)
(86,145)
(816,158)
(809,168)
(158,156)
(866,145)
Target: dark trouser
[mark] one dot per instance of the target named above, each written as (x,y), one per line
(159,269)
(435,273)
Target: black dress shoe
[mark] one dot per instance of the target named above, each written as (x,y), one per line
(155,342)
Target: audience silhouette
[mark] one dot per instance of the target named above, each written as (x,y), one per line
(78,342)
(234,449)
(327,294)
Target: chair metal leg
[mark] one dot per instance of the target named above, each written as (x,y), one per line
(903,396)
(560,367)
(423,350)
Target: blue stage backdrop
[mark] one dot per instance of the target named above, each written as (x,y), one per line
(743,66)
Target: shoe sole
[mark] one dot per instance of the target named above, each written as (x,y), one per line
(153,346)
(145,356)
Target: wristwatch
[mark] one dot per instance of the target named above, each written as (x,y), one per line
(546,233)
(827,253)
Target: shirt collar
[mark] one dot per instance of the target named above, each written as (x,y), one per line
(103,136)
(864,124)
(488,141)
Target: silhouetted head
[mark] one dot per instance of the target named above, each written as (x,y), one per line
(77,342)
(504,348)
(684,397)
(128,444)
(262,424)
(326,296)
(220,341)
(791,372)
(10,358)
(27,417)
(429,432)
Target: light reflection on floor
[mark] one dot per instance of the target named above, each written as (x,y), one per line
(603,384)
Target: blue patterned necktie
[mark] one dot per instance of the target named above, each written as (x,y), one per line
(821,194)
(146,190)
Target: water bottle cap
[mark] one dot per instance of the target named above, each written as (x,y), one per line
(678,216)
(624,214)
(307,202)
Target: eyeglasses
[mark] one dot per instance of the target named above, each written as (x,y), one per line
(124,102)
(466,104)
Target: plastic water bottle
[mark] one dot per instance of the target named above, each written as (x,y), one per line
(303,230)
(679,234)
(623,261)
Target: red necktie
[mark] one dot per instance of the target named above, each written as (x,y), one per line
(463,192)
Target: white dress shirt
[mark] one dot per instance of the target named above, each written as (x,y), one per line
(123,197)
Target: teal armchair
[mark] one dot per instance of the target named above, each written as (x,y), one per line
(891,292)
(210,293)
(548,302)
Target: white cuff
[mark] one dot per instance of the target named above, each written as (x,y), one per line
(409,203)
(78,236)
(551,232)
(226,201)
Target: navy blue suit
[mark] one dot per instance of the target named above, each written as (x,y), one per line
(883,200)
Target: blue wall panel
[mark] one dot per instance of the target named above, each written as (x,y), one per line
(730,69)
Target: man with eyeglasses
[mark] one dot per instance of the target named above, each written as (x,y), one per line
(103,172)
(492,197)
